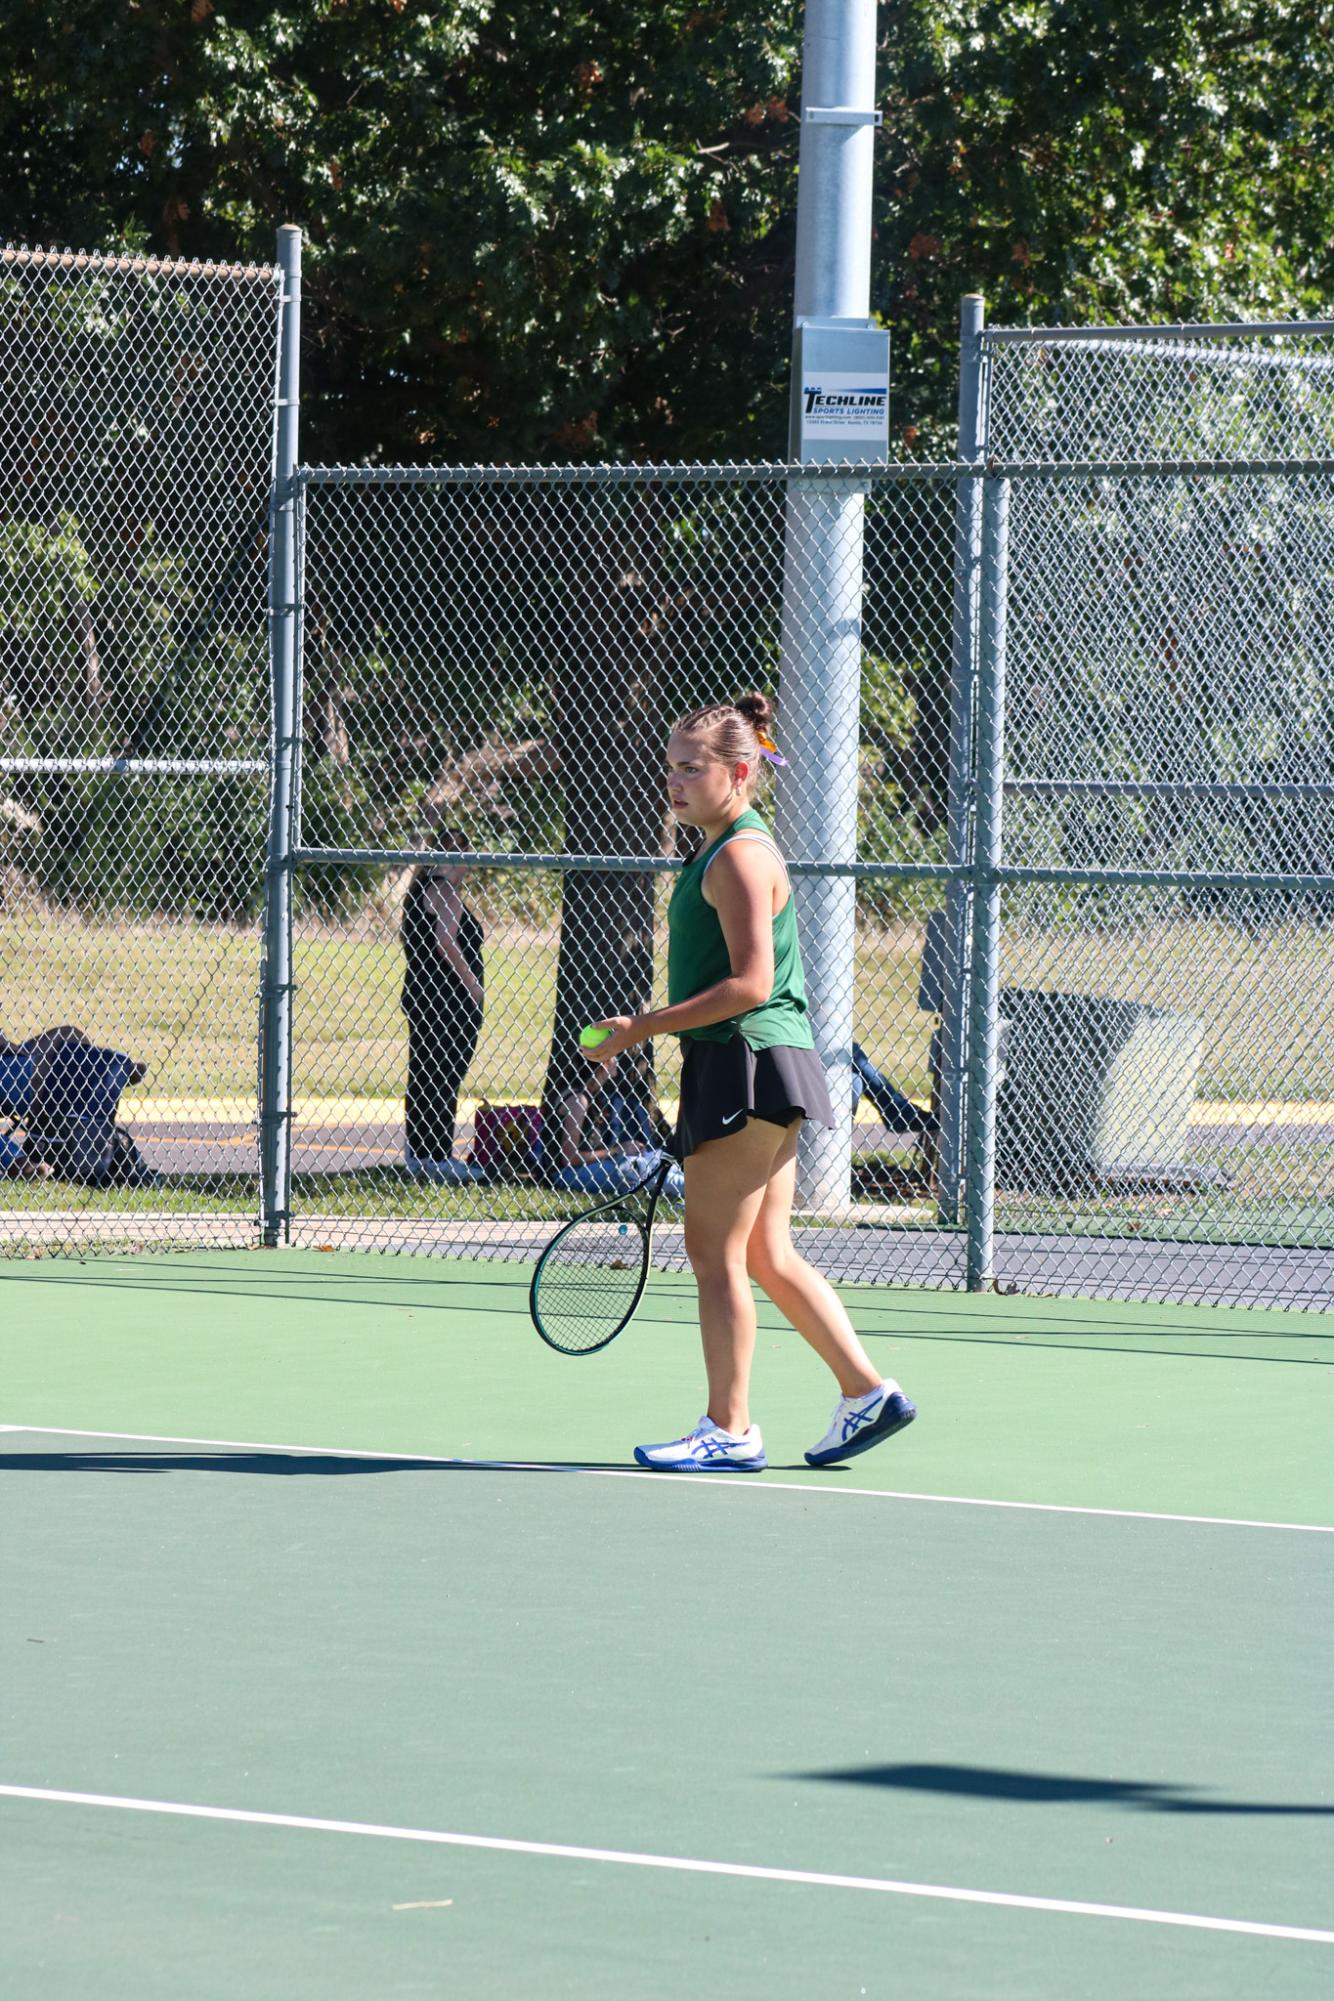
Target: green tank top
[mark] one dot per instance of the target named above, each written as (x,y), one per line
(697,958)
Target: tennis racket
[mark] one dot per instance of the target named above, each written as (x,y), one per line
(591,1276)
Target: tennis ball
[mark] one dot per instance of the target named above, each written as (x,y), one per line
(593,1038)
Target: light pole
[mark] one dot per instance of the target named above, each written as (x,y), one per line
(840,402)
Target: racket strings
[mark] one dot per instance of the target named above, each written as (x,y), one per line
(589,1282)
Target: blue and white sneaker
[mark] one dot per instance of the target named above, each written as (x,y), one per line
(859,1423)
(706,1449)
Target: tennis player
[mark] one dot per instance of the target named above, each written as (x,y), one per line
(737,999)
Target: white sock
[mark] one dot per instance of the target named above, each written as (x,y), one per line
(886,1389)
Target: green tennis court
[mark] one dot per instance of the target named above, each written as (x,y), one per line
(344,1655)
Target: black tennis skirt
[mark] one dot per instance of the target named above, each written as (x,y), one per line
(725,1083)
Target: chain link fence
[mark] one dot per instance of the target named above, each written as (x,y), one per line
(1162,992)
(1166,1120)
(492,662)
(136,412)
(1059,768)
(1066,395)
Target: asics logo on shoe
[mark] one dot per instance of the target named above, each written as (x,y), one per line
(855,1419)
(732,1117)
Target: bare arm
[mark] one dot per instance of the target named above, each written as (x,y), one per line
(743,886)
(573,1111)
(442,900)
(567,1123)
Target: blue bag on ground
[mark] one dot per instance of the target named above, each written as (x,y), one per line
(71,1122)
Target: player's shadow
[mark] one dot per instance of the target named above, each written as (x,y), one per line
(284,1465)
(1049,1789)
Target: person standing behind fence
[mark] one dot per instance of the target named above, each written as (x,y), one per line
(443,996)
(737,999)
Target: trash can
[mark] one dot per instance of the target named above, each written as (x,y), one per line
(1095,1090)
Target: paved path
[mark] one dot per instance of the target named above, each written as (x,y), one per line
(218,1135)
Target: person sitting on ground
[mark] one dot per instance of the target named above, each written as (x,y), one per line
(584,1147)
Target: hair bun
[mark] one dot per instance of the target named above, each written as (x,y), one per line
(758,711)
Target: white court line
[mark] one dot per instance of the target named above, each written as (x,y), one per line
(688,1865)
(665,1480)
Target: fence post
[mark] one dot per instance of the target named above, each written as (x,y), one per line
(983,1025)
(958,893)
(275,1071)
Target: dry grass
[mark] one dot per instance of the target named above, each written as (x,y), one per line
(184,997)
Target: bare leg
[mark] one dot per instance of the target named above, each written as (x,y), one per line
(726,1183)
(801,1293)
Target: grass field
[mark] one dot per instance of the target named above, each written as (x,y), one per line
(183,996)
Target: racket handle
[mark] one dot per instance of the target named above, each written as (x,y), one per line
(593,1038)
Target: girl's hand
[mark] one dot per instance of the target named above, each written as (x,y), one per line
(624,1035)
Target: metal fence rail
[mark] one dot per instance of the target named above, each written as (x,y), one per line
(1072,969)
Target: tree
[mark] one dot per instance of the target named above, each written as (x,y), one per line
(532,233)
(540,235)
(1097,160)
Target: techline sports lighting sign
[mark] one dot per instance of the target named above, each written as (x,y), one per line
(840,392)
(839,406)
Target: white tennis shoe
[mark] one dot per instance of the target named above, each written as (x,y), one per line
(706,1449)
(859,1423)
(442,1173)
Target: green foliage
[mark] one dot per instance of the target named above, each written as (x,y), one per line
(1095,161)
(522,223)
(539,233)
(98,660)
(43,574)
